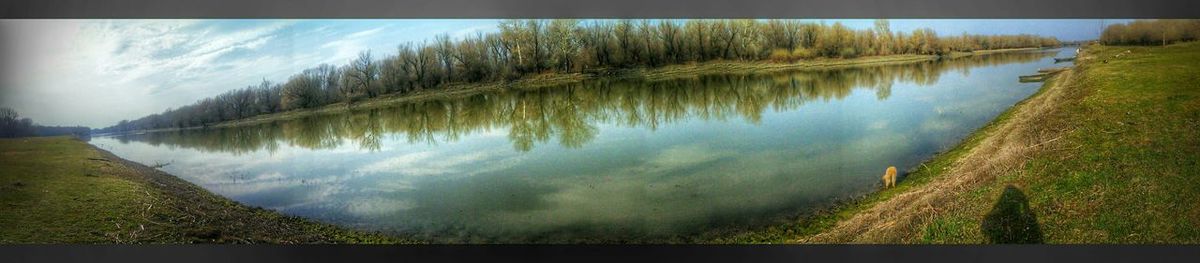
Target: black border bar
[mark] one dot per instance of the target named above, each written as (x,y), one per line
(599,9)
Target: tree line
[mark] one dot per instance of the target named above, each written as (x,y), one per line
(1151,32)
(569,114)
(13,126)
(529,47)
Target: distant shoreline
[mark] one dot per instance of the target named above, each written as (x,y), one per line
(555,79)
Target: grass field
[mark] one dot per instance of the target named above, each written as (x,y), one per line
(62,190)
(1125,172)
(1104,153)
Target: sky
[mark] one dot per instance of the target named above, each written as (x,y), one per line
(97,72)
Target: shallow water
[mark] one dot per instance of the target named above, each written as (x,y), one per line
(602,160)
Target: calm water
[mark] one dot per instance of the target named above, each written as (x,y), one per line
(603,160)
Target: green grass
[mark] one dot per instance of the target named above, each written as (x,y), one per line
(50,193)
(1126,173)
(62,190)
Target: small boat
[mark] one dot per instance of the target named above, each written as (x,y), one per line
(1042,75)
(1034,78)
(1060,60)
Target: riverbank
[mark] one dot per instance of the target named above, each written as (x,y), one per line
(458,90)
(556,79)
(1103,153)
(63,190)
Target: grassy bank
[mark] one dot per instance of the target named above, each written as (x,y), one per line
(62,190)
(1103,153)
(1125,172)
(555,79)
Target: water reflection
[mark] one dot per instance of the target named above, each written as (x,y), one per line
(571,113)
(605,160)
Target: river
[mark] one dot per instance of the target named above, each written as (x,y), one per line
(603,160)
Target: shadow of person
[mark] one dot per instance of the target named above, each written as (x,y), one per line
(1011,220)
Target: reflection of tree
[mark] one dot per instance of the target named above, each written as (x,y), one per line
(314,133)
(365,128)
(574,128)
(883,91)
(571,112)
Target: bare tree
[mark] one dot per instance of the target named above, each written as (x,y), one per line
(364,73)
(445,54)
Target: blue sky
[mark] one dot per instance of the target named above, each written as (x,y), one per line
(98,72)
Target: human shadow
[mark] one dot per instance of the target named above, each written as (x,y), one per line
(1011,220)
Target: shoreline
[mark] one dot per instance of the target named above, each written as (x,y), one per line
(554,79)
(997,148)
(116,200)
(865,218)
(1054,168)
(278,222)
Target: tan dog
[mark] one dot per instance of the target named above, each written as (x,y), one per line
(889,177)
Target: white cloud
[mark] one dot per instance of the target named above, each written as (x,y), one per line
(97,72)
(402,164)
(377,206)
(348,47)
(428,163)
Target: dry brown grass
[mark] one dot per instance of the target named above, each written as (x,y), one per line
(1006,148)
